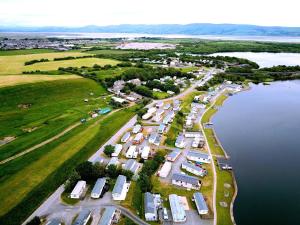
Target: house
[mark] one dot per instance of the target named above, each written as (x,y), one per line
(145,152)
(153,137)
(120,189)
(167,106)
(196,170)
(165,169)
(118,149)
(108,217)
(147,116)
(162,128)
(83,217)
(172,156)
(131,165)
(177,210)
(186,181)
(118,100)
(98,187)
(132,152)
(170,92)
(137,128)
(152,202)
(198,157)
(138,139)
(113,161)
(159,104)
(200,203)
(180,142)
(152,110)
(78,189)
(125,137)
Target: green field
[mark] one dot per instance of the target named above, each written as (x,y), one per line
(53,65)
(109,52)
(36,175)
(35,112)
(14,64)
(25,51)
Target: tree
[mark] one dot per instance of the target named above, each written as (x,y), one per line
(99,170)
(112,171)
(108,150)
(128,174)
(86,171)
(71,182)
(145,182)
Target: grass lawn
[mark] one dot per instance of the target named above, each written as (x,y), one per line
(28,186)
(11,80)
(35,112)
(224,195)
(52,65)
(175,129)
(14,64)
(65,197)
(160,95)
(25,51)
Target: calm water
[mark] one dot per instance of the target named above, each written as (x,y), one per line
(260,130)
(266,59)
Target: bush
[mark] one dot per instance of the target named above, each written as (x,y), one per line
(35,221)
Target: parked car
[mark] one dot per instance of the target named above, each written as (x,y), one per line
(165,213)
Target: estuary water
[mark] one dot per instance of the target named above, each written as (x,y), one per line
(266,59)
(260,130)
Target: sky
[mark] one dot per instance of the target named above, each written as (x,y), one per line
(76,13)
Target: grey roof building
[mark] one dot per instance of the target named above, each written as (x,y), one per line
(200,203)
(185,178)
(83,217)
(107,216)
(150,208)
(121,180)
(131,165)
(54,222)
(98,187)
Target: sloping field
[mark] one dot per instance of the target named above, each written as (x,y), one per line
(25,51)
(67,63)
(14,64)
(38,174)
(11,80)
(35,112)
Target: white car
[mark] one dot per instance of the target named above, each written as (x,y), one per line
(165,213)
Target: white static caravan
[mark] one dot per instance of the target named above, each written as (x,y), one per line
(186,181)
(200,203)
(193,169)
(137,128)
(147,116)
(78,189)
(159,104)
(152,110)
(172,156)
(131,152)
(165,169)
(118,149)
(180,142)
(98,187)
(120,189)
(198,157)
(145,152)
(125,137)
(177,209)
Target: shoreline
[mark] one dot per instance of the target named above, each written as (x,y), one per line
(225,155)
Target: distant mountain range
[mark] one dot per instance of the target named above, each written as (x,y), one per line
(189,29)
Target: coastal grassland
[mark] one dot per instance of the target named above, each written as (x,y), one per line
(53,65)
(35,112)
(224,194)
(25,51)
(14,64)
(223,178)
(33,182)
(11,80)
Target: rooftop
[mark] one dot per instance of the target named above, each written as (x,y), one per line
(121,180)
(185,178)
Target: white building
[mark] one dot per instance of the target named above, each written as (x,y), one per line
(131,165)
(192,134)
(120,189)
(159,104)
(125,137)
(177,209)
(78,189)
(151,204)
(172,156)
(138,138)
(118,149)
(113,161)
(193,169)
(98,187)
(132,152)
(186,181)
(165,169)
(198,157)
(200,203)
(147,116)
(137,128)
(180,142)
(145,152)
